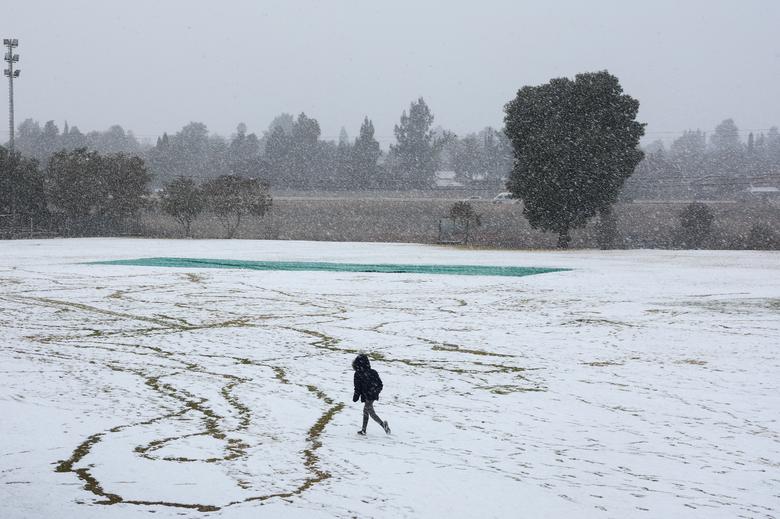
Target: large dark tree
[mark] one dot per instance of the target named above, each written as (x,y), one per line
(21,185)
(96,191)
(575,143)
(126,181)
(74,184)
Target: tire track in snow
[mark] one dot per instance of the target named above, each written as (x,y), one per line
(235,448)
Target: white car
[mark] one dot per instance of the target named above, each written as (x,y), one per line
(504,198)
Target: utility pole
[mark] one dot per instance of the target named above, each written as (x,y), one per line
(11,58)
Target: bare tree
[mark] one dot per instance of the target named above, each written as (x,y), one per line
(463,214)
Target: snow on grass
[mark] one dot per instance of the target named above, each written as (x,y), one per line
(637,384)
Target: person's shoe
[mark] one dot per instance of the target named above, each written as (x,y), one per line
(386,427)
(362,433)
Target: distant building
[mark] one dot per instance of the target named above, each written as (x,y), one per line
(446,178)
(761,193)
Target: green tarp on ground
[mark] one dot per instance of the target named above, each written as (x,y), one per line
(461,270)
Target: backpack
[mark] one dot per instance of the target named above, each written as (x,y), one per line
(374,382)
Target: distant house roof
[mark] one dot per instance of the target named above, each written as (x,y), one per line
(446,178)
(445,174)
(763,190)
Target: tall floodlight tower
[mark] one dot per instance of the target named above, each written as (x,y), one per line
(11,58)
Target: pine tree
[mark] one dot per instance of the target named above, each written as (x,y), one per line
(304,152)
(365,154)
(278,151)
(727,160)
(416,148)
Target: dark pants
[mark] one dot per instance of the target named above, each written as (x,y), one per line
(368,410)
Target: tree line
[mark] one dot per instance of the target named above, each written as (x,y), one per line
(82,192)
(292,154)
(570,147)
(79,190)
(694,166)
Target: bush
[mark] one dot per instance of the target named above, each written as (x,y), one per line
(762,237)
(464,215)
(695,226)
(607,230)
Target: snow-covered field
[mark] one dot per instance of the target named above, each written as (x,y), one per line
(638,384)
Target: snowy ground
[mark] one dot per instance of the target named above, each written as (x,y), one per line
(639,384)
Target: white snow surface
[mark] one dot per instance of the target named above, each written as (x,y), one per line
(637,384)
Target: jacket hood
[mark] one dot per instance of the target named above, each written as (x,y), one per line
(361,362)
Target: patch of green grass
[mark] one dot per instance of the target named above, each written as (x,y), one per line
(195,278)
(695,362)
(603,363)
(507,389)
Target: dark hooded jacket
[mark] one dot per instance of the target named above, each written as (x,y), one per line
(368,385)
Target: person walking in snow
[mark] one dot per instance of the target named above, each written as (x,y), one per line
(368,385)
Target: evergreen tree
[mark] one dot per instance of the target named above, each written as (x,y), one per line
(304,156)
(575,143)
(497,154)
(725,138)
(189,149)
(727,161)
(343,173)
(416,149)
(243,146)
(73,139)
(190,153)
(21,185)
(688,152)
(365,154)
(278,152)
(284,121)
(773,153)
(126,181)
(75,185)
(343,136)
(96,192)
(469,159)
(160,159)
(50,139)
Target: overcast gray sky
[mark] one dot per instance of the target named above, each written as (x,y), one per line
(154,65)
